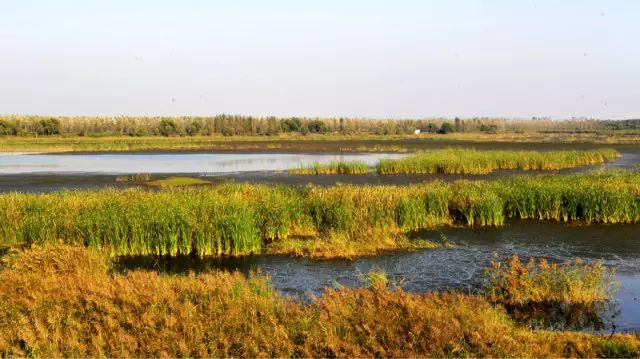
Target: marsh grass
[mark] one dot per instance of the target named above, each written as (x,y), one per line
(553,295)
(134,178)
(61,301)
(343,220)
(518,283)
(469,161)
(175,181)
(333,168)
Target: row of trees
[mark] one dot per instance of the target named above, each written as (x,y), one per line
(230,125)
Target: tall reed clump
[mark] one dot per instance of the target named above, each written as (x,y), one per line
(333,168)
(73,307)
(237,219)
(540,281)
(559,295)
(469,161)
(597,197)
(134,221)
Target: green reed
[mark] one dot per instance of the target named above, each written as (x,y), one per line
(333,168)
(237,219)
(470,161)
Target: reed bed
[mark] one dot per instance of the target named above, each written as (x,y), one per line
(333,168)
(61,301)
(469,161)
(238,219)
(575,282)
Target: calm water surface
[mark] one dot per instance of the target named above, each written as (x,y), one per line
(204,163)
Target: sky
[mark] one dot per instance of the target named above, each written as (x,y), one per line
(355,58)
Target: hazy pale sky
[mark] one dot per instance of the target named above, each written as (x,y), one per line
(514,58)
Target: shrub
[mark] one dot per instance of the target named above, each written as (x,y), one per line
(317,126)
(291,124)
(167,127)
(48,127)
(193,128)
(445,128)
(7,129)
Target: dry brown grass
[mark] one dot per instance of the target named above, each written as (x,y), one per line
(61,302)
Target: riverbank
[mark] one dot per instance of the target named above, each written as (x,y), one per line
(303,143)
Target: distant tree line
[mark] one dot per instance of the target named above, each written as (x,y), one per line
(622,125)
(233,125)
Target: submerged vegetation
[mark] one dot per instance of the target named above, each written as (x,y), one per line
(237,219)
(76,308)
(171,181)
(134,178)
(177,181)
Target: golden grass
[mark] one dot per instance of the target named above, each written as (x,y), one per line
(62,302)
(536,282)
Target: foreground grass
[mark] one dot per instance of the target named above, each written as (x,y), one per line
(74,308)
(339,221)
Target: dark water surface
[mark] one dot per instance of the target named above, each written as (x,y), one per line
(460,268)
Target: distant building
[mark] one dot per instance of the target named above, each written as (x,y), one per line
(417,132)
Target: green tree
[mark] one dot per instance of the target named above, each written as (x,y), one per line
(193,128)
(48,127)
(291,124)
(7,129)
(317,126)
(167,127)
(445,128)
